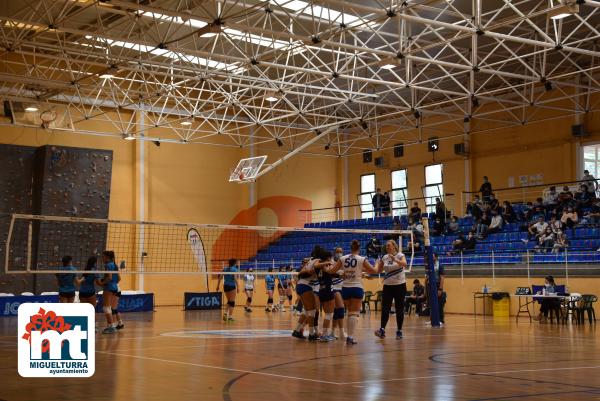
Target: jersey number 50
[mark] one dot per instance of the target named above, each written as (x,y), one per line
(350,262)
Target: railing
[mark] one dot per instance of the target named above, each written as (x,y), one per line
(521,194)
(355,211)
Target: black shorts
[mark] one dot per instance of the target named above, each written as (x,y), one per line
(70,294)
(86,294)
(227,288)
(326,295)
(285,286)
(116,292)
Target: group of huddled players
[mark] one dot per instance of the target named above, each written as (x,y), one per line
(327,282)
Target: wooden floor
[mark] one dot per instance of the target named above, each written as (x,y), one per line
(161,356)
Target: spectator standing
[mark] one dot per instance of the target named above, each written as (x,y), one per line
(415,212)
(377,202)
(440,210)
(590,181)
(485,189)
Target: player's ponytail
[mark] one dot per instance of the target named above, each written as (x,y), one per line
(355,246)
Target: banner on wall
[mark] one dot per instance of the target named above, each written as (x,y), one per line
(9,306)
(202,300)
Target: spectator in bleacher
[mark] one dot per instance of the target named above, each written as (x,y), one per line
(470,242)
(590,181)
(377,202)
(438,227)
(555,224)
(482,226)
(561,243)
(527,212)
(417,297)
(551,199)
(545,241)
(537,229)
(495,223)
(538,207)
(417,231)
(440,210)
(493,205)
(453,226)
(569,219)
(373,247)
(415,212)
(458,245)
(593,216)
(583,197)
(485,189)
(565,198)
(386,204)
(508,213)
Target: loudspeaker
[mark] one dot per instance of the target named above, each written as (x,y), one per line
(380,162)
(398,150)
(460,149)
(578,130)
(367,156)
(433,145)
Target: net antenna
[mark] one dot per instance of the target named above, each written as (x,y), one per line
(247,169)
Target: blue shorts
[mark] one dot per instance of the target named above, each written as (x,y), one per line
(270,287)
(352,293)
(302,288)
(227,288)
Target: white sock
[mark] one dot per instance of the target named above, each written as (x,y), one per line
(311,330)
(352,321)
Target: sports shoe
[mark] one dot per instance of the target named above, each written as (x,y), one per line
(224,317)
(299,335)
(120,326)
(313,337)
(267,309)
(282,309)
(350,341)
(326,339)
(380,333)
(230,319)
(399,335)
(109,330)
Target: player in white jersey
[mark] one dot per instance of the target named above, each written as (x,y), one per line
(249,288)
(304,289)
(339,310)
(393,264)
(352,289)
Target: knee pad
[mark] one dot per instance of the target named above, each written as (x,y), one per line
(231,303)
(270,301)
(290,298)
(249,300)
(107,310)
(329,316)
(338,313)
(115,311)
(311,313)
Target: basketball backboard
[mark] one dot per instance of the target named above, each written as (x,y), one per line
(247,169)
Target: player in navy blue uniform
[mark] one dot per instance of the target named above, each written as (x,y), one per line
(87,283)
(66,281)
(270,285)
(326,296)
(230,287)
(339,310)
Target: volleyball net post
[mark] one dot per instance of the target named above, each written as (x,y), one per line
(434,311)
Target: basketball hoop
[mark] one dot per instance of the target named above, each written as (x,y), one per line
(47,118)
(247,170)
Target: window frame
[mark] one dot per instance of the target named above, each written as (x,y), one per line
(366,209)
(399,211)
(430,201)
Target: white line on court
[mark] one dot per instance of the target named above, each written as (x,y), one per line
(218,368)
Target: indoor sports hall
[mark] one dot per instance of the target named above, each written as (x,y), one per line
(278,200)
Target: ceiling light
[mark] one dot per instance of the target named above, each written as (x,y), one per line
(107,76)
(31,108)
(271,99)
(388,67)
(128,137)
(563,10)
(186,123)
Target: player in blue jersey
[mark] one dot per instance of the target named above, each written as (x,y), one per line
(110,291)
(230,287)
(87,283)
(270,285)
(66,281)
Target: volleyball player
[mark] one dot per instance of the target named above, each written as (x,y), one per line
(326,297)
(336,286)
(282,287)
(249,289)
(117,318)
(352,289)
(305,292)
(109,290)
(393,263)
(66,281)
(270,285)
(87,283)
(230,287)
(290,290)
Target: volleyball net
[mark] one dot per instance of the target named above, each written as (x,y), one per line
(36,244)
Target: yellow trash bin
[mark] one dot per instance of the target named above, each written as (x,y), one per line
(501,305)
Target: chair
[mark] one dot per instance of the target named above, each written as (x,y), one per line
(366,301)
(378,300)
(586,304)
(570,307)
